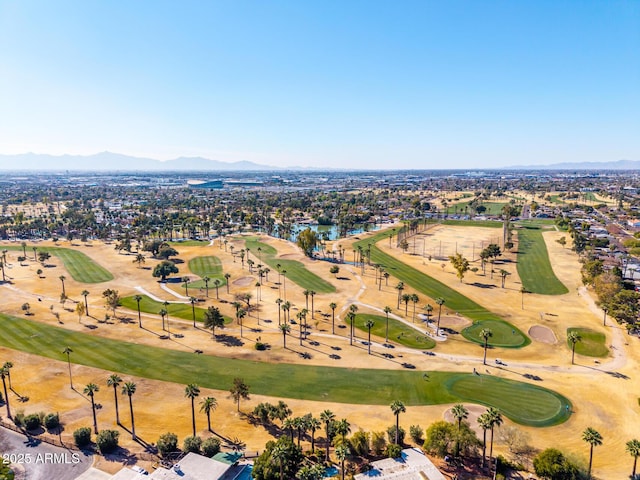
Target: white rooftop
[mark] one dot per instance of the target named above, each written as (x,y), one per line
(412,465)
(191,467)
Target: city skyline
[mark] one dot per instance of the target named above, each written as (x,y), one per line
(416,85)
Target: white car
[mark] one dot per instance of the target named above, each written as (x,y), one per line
(138,469)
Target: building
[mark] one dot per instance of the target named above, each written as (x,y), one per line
(412,465)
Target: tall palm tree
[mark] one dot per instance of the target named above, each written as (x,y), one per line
(193,301)
(397,407)
(289,425)
(279,302)
(333,307)
(216,283)
(633,448)
(573,337)
(342,452)
(114,381)
(84,293)
(3,374)
(440,301)
(163,314)
(495,418)
(227,276)
(369,324)
(192,391)
(90,389)
(313,424)
(415,299)
(327,416)
(284,328)
(68,352)
(129,388)
(208,405)
(429,308)
(460,413)
(484,420)
(138,298)
(241,314)
(351,317)
(306,298)
(185,282)
(300,426)
(400,288)
(313,294)
(485,334)
(206,281)
(280,455)
(8,366)
(594,439)
(343,427)
(406,298)
(387,311)
(62,279)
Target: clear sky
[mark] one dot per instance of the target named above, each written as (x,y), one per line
(338,83)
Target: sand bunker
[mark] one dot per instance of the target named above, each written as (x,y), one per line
(244,281)
(542,334)
(452,322)
(290,255)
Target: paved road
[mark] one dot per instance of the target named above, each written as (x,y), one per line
(40,461)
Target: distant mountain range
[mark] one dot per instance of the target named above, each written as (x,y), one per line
(617,165)
(107,161)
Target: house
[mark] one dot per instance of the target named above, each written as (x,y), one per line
(411,465)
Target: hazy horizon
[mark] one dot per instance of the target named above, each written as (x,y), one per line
(360,85)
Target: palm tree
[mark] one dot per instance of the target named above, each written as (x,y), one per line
(495,418)
(306,298)
(129,388)
(594,439)
(440,301)
(279,454)
(84,293)
(351,317)
(90,389)
(68,352)
(342,451)
(163,314)
(240,314)
(415,299)
(192,391)
(633,448)
(114,381)
(429,308)
(227,276)
(208,405)
(206,280)
(193,301)
(369,324)
(333,307)
(400,288)
(573,337)
(4,372)
(327,416)
(138,298)
(485,334)
(289,424)
(8,366)
(387,311)
(343,427)
(279,302)
(186,281)
(284,328)
(485,423)
(397,407)
(216,283)
(313,424)
(62,279)
(313,294)
(460,413)
(406,298)
(300,426)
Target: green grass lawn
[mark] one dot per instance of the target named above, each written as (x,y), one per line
(82,268)
(521,402)
(190,243)
(296,271)
(534,267)
(593,344)
(433,288)
(176,310)
(208,266)
(504,334)
(492,208)
(399,332)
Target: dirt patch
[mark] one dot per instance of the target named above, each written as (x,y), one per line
(244,281)
(542,334)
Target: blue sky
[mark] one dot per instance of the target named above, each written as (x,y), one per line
(361,84)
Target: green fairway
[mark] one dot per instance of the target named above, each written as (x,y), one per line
(523,403)
(399,332)
(534,267)
(433,288)
(592,343)
(189,243)
(296,271)
(177,310)
(504,334)
(79,266)
(208,266)
(492,208)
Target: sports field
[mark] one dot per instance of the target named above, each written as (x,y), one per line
(523,403)
(534,267)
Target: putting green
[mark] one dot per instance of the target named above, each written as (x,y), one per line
(533,405)
(399,332)
(504,334)
(296,271)
(208,266)
(81,268)
(592,343)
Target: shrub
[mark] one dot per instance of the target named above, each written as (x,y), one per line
(192,444)
(416,432)
(260,346)
(378,443)
(552,464)
(82,437)
(391,433)
(394,450)
(18,419)
(107,441)
(210,447)
(167,443)
(51,421)
(360,443)
(32,422)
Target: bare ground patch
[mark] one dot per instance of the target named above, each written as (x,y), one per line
(244,281)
